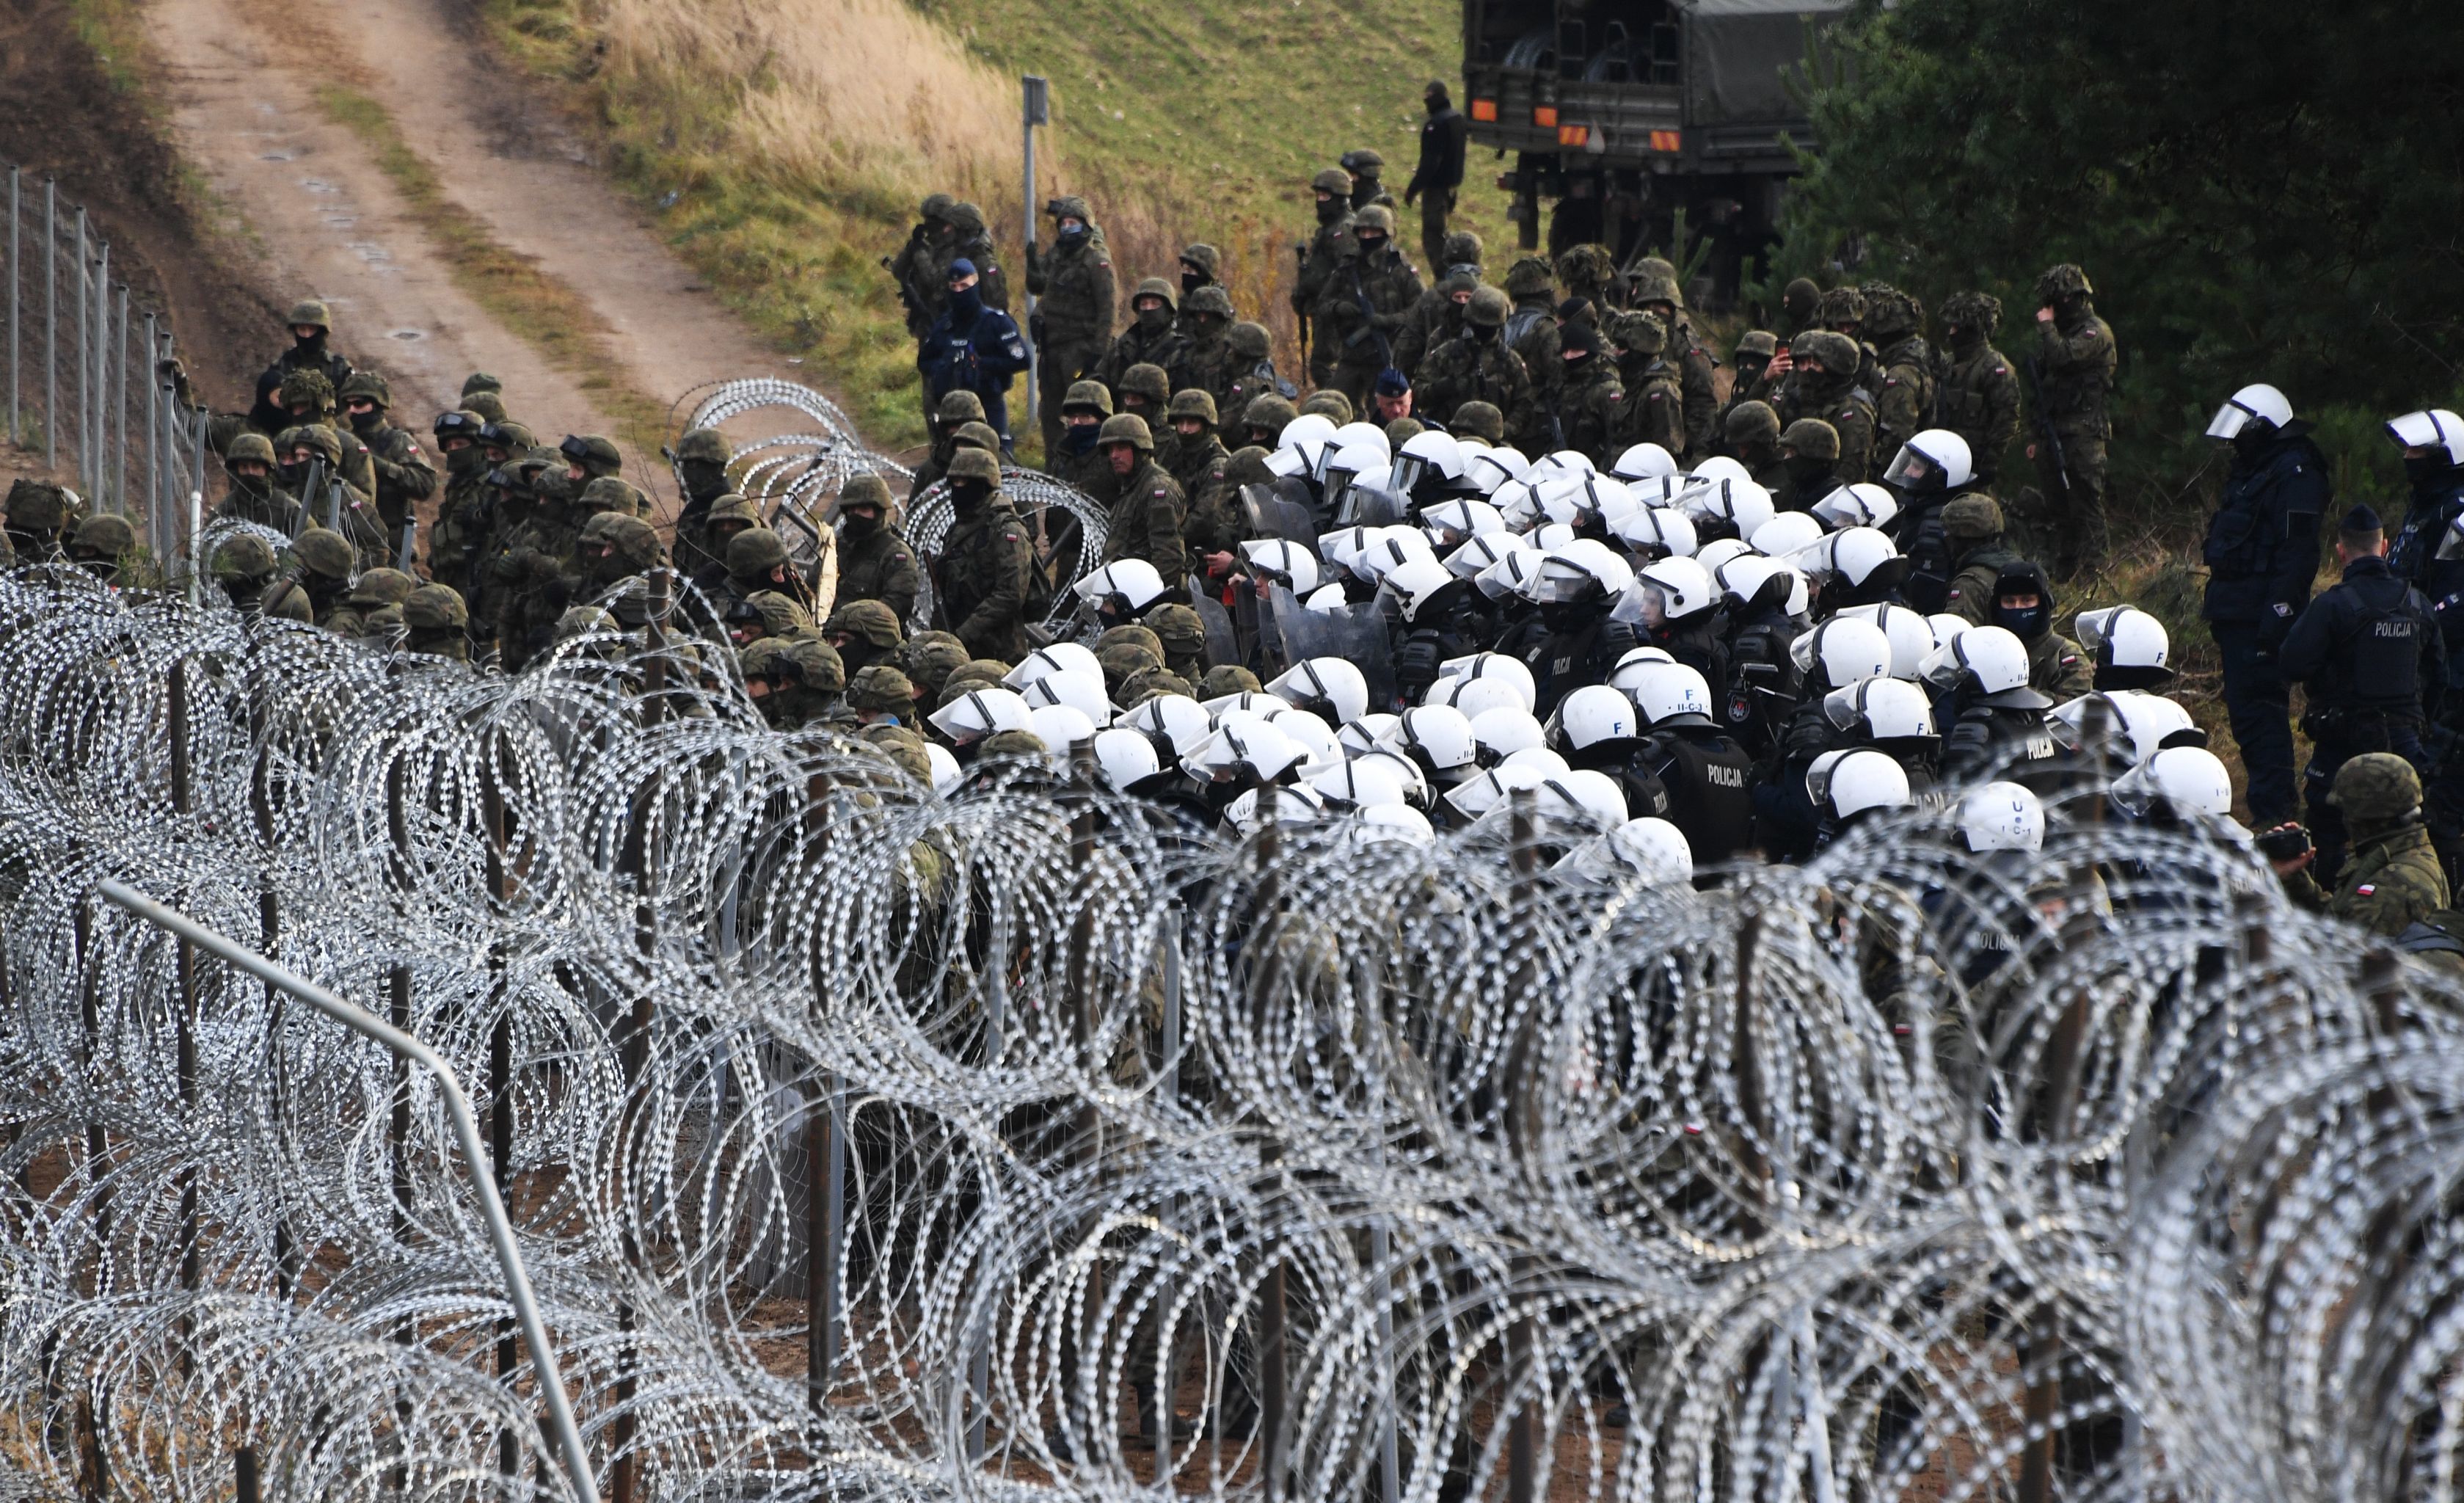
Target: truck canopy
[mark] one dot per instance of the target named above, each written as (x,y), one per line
(1739,54)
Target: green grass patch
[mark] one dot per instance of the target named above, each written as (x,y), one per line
(115,31)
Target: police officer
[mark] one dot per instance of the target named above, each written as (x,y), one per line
(2394,880)
(1074,323)
(973,347)
(2073,366)
(979,581)
(2262,552)
(874,559)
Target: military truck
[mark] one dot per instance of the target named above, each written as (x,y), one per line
(1625,111)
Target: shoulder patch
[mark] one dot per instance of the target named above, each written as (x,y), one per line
(2367,890)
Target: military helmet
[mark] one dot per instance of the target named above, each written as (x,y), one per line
(636,541)
(1972,517)
(1208,299)
(250,445)
(960,406)
(973,674)
(1839,305)
(1206,257)
(1377,217)
(479,380)
(1126,428)
(326,552)
(782,614)
(435,608)
(1812,438)
(2066,281)
(106,535)
(1269,411)
(865,490)
(2376,786)
(904,747)
(1487,309)
(596,453)
(382,588)
(460,423)
(507,435)
(287,602)
(383,621)
(308,385)
(732,507)
(1157,287)
(1147,381)
(1195,403)
(1122,660)
(311,311)
(1756,341)
(1465,280)
(487,405)
(1130,635)
(1363,160)
(1972,310)
(1481,420)
(1659,289)
(1751,422)
(1461,248)
(1890,314)
(1227,678)
(1331,180)
(931,663)
(369,385)
(758,658)
(245,557)
(1182,632)
(702,443)
(1528,278)
(1251,340)
(1088,395)
(935,208)
(1002,745)
(870,619)
(1147,683)
(974,464)
(965,217)
(881,687)
(1586,267)
(977,436)
(917,646)
(1069,205)
(755,551)
(606,493)
(1834,352)
(1639,332)
(816,663)
(315,435)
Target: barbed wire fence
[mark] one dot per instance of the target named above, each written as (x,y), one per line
(89,383)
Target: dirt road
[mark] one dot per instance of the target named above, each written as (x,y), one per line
(328,222)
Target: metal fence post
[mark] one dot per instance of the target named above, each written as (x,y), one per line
(16,306)
(51,323)
(153,447)
(84,354)
(120,479)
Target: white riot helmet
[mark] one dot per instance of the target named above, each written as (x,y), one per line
(1342,545)
(979,713)
(947,772)
(1671,694)
(1748,575)
(1676,589)
(1307,427)
(2263,403)
(2001,816)
(1882,711)
(1292,807)
(1358,785)
(1061,657)
(1512,574)
(1125,759)
(1284,562)
(1362,736)
(1316,737)
(1583,797)
(2146,723)
(2189,778)
(1541,759)
(1345,464)
(1427,455)
(1720,550)
(1461,517)
(2433,428)
(1388,824)
(1415,782)
(1571,461)
(1863,504)
(1856,778)
(1518,501)
(1081,692)
(1592,715)
(1860,557)
(1948,629)
(1060,727)
(1390,550)
(1991,657)
(1475,697)
(1178,720)
(1256,746)
(1644,462)
(1488,469)
(1651,851)
(1739,501)
(1438,738)
(1845,649)
(1583,569)
(1787,533)
(1657,532)
(1134,580)
(1719,466)
(1476,796)
(1328,598)
(1911,635)
(1504,730)
(1629,668)
(1333,682)
(1934,461)
(1481,551)
(1504,667)
(2130,647)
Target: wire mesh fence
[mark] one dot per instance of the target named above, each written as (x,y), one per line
(90,384)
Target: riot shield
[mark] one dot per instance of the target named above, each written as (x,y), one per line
(1354,632)
(1222,639)
(1283,511)
(1366,506)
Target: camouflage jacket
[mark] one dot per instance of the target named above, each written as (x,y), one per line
(1694,366)
(1904,402)
(2074,373)
(1208,366)
(2391,880)
(1470,369)
(1137,347)
(1591,409)
(1365,302)
(1977,397)
(403,476)
(981,578)
(1194,462)
(1324,248)
(2056,666)
(1969,595)
(1075,280)
(878,565)
(1433,321)
(1146,523)
(1654,408)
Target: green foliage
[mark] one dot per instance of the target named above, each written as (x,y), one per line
(2259,193)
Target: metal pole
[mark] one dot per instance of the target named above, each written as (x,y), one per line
(120,478)
(50,324)
(153,446)
(192,544)
(1036,101)
(466,1131)
(85,361)
(16,306)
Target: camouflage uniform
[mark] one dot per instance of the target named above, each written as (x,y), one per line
(917,268)
(1149,340)
(1903,403)
(369,593)
(1194,460)
(1146,517)
(875,563)
(1822,384)
(1654,411)
(971,240)
(2075,364)
(350,509)
(533,573)
(1201,265)
(463,516)
(1325,248)
(1694,363)
(2392,877)
(1971,525)
(1206,361)
(1480,368)
(1074,320)
(250,498)
(1086,470)
(1217,522)
(1751,357)
(1976,394)
(957,409)
(1250,372)
(1437,316)
(1365,301)
(1590,401)
(1532,333)
(404,477)
(981,579)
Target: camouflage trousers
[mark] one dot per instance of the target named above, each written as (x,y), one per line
(2070,539)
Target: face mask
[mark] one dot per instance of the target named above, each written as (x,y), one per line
(974,496)
(295,475)
(860,525)
(367,422)
(2425,471)
(312,343)
(1804,470)
(2254,438)
(1331,210)
(251,484)
(1156,319)
(1191,281)
(1080,439)
(965,303)
(704,479)
(1371,246)
(1073,231)
(2026,624)
(466,461)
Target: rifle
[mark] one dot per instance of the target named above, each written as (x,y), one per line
(2045,426)
(908,297)
(1300,255)
(409,550)
(308,491)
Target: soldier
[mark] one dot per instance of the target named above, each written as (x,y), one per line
(2262,554)
(1201,265)
(1478,420)
(39,512)
(981,579)
(1659,296)
(1822,383)
(972,347)
(880,694)
(1365,301)
(1590,400)
(701,467)
(757,559)
(2072,373)
(1074,460)
(311,402)
(1181,634)
(309,448)
(1075,282)
(1976,395)
(403,476)
(252,496)
(1654,410)
(865,632)
(616,546)
(956,409)
(1252,372)
(1972,530)
(1809,460)
(463,517)
(532,570)
(1480,366)
(1842,311)
(971,240)
(917,268)
(1148,516)
(2370,654)
(1144,391)
(1330,404)
(372,592)
(1264,420)
(1751,358)
(1197,453)
(1904,402)
(1440,174)
(1205,360)
(1749,433)
(1532,333)
(244,566)
(1331,187)
(2023,606)
(2394,880)
(98,543)
(1149,340)
(1438,316)
(1367,169)
(439,623)
(311,328)
(931,657)
(874,560)
(325,564)
(588,457)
